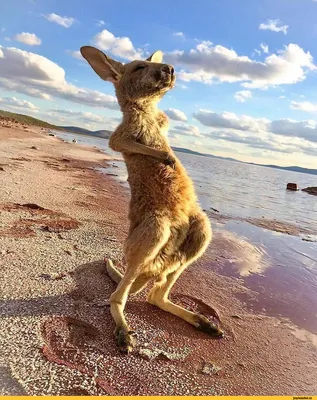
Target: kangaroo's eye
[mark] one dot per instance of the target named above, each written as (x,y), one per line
(139,67)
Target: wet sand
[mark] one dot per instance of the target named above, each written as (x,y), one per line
(56,330)
(272,225)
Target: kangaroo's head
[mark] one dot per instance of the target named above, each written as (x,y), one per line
(137,82)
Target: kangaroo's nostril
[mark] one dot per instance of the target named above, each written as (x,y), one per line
(168,69)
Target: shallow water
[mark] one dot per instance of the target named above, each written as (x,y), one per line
(281,270)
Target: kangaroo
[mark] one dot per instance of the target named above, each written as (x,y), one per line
(168,230)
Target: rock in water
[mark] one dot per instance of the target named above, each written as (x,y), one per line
(311,190)
(292,186)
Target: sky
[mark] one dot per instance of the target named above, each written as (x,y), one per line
(246,70)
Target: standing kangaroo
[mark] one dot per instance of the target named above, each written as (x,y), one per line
(168,230)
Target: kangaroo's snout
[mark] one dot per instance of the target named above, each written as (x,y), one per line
(168,69)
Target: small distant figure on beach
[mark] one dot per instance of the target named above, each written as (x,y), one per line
(74,141)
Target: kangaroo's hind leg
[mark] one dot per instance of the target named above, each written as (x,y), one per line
(138,285)
(141,247)
(196,242)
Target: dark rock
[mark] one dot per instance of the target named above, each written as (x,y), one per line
(292,186)
(47,277)
(33,206)
(311,190)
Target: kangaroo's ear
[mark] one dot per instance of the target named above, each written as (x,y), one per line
(156,57)
(107,68)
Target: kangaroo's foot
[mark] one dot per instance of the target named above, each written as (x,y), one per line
(125,339)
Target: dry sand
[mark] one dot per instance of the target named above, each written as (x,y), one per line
(56,332)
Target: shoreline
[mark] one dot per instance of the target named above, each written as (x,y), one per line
(268,224)
(55,328)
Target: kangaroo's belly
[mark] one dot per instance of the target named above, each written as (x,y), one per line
(157,187)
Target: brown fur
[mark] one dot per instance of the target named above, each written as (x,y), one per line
(168,230)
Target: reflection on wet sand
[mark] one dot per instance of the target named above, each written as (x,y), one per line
(280,270)
(245,257)
(303,335)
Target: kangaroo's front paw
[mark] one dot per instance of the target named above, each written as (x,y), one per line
(169,160)
(203,324)
(124,338)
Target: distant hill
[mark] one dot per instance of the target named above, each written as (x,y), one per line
(75,129)
(291,168)
(183,150)
(25,119)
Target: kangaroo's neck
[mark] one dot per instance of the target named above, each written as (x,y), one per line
(145,117)
(139,113)
(134,109)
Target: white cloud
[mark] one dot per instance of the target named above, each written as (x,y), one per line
(28,38)
(17,103)
(176,115)
(66,22)
(75,54)
(274,25)
(265,143)
(208,63)
(243,95)
(100,22)
(83,116)
(91,120)
(118,46)
(1,53)
(258,52)
(304,106)
(181,86)
(290,129)
(179,34)
(264,47)
(185,129)
(297,129)
(37,76)
(282,97)
(230,121)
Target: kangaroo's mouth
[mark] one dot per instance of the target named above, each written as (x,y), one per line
(168,80)
(173,80)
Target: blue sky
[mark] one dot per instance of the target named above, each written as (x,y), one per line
(246,70)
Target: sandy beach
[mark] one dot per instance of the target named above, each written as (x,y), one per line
(59,218)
